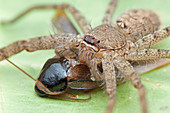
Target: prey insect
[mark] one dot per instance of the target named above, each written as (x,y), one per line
(110,50)
(59,74)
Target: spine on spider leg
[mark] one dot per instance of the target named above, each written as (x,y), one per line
(19,46)
(40,43)
(12,49)
(151,39)
(148,54)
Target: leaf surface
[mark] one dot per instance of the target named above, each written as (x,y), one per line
(17,91)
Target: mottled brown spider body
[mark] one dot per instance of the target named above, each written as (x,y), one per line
(102,38)
(129,26)
(107,50)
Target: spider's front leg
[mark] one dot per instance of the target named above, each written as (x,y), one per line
(108,75)
(58,41)
(127,69)
(110,81)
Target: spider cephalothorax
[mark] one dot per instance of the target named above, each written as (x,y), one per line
(100,39)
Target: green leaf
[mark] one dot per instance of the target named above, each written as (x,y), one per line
(17,90)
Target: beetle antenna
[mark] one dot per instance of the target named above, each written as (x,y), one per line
(19,68)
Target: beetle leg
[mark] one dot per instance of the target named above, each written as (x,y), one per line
(127,69)
(46,91)
(50,94)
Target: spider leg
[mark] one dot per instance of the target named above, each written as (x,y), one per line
(41,43)
(109,12)
(148,54)
(110,81)
(127,69)
(151,39)
(95,71)
(84,25)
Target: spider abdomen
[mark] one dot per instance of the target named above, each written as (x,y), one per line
(137,23)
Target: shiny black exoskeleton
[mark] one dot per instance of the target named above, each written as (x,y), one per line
(53,76)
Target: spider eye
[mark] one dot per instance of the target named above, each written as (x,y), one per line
(91,40)
(53,76)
